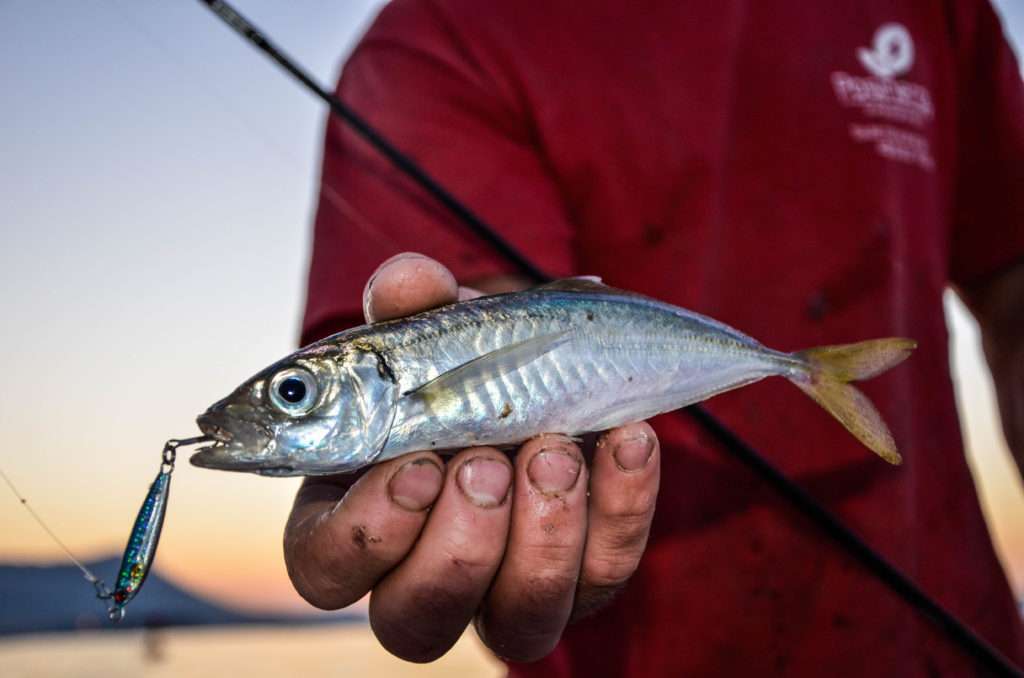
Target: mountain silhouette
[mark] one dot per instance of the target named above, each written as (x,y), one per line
(38,598)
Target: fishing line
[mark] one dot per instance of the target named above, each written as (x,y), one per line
(86,572)
(895,579)
(102,592)
(142,541)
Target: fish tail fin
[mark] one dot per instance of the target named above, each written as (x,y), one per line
(829,371)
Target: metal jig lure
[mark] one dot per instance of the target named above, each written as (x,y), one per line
(145,535)
(142,542)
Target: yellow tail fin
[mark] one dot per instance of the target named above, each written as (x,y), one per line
(830,370)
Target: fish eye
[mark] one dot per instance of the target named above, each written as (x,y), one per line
(294,391)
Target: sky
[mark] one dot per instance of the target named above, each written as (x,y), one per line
(157,181)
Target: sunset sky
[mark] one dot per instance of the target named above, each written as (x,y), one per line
(157,180)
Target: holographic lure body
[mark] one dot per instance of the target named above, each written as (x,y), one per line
(142,543)
(145,535)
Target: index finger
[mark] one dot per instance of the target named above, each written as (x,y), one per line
(339,541)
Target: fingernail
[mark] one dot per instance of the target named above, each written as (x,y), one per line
(368,299)
(553,471)
(484,481)
(416,484)
(632,454)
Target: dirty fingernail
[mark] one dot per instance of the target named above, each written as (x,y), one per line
(416,484)
(485,481)
(553,471)
(632,454)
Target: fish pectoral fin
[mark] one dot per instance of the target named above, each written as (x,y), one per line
(488,367)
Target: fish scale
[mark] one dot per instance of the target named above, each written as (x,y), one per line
(581,384)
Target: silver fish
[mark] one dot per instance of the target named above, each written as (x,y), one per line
(569,357)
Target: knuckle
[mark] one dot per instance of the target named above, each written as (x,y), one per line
(462,566)
(545,587)
(609,569)
(624,532)
(626,506)
(418,653)
(320,598)
(525,644)
(424,625)
(314,589)
(552,557)
(313,558)
(317,587)
(526,623)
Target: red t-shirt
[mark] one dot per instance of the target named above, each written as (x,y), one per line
(810,173)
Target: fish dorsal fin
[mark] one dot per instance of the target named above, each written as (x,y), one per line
(585,284)
(581,283)
(489,366)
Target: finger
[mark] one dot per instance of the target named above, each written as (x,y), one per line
(529,603)
(338,544)
(422,607)
(623,489)
(407,283)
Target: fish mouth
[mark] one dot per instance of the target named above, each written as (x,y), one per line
(217,458)
(208,425)
(213,457)
(231,451)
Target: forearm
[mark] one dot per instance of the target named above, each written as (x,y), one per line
(998,304)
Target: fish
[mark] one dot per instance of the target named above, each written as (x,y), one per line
(573,356)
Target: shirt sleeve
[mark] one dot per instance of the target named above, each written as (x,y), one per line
(417,82)
(988,226)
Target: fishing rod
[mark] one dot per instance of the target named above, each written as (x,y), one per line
(973,644)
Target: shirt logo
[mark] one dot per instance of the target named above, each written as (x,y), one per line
(892,53)
(883,98)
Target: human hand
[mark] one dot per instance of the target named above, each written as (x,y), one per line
(520,547)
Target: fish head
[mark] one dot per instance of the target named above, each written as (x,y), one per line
(316,412)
